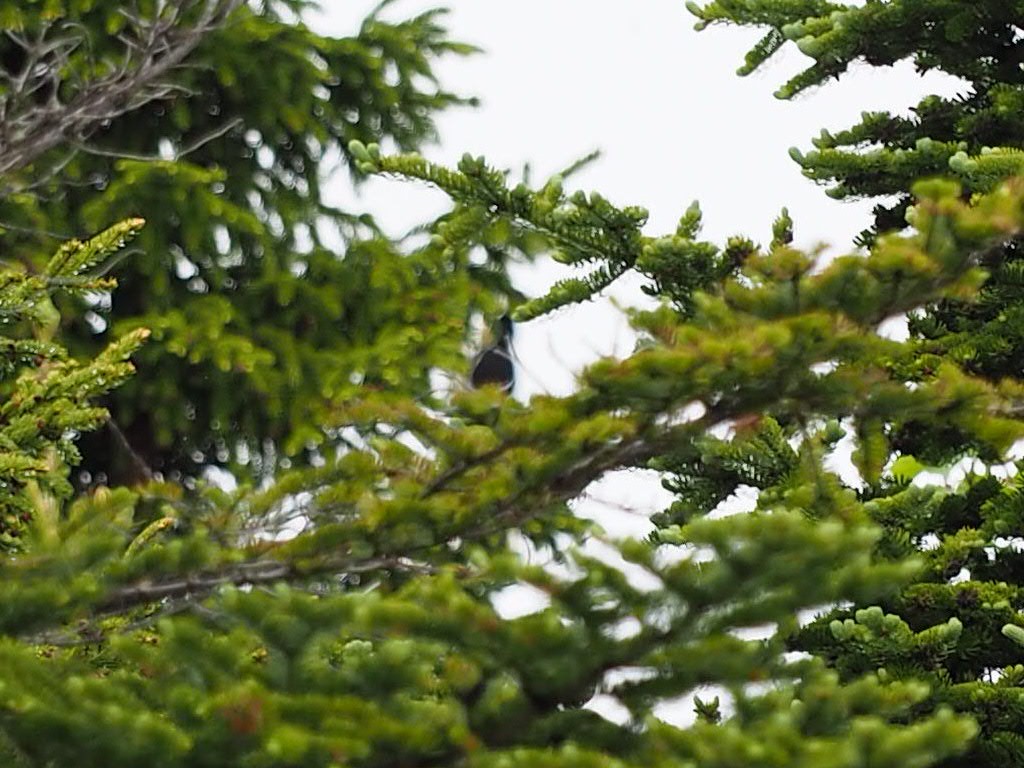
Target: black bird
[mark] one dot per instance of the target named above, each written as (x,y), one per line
(494,364)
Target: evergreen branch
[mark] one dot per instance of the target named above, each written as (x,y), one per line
(513,511)
(519,507)
(578,228)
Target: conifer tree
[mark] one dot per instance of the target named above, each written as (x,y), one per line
(258,327)
(341,610)
(972,564)
(152,626)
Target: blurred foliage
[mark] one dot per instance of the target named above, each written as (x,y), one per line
(266,304)
(341,605)
(187,630)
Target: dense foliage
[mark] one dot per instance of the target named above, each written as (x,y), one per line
(339,606)
(973,565)
(260,327)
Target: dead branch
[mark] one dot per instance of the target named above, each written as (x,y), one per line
(45,104)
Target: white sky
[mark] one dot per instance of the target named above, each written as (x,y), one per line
(559,78)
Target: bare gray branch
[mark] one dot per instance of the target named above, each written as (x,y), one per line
(47,102)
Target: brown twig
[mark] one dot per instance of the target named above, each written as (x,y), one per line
(253,574)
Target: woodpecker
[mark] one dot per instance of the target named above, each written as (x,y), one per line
(493,365)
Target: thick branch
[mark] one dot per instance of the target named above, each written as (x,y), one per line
(513,511)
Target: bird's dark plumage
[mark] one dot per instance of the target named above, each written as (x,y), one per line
(494,364)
